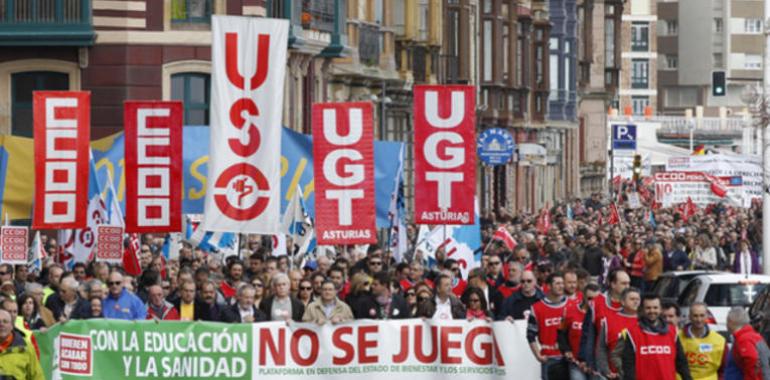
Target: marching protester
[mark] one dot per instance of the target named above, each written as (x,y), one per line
(328,308)
(120,303)
(704,348)
(281,306)
(650,348)
(18,360)
(543,325)
(244,310)
(612,326)
(520,302)
(570,333)
(66,303)
(750,352)
(157,306)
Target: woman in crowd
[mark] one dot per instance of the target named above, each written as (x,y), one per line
(476,305)
(29,312)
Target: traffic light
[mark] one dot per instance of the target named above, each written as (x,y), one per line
(637,167)
(718,87)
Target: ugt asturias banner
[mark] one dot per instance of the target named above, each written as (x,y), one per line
(379,350)
(444,154)
(62,127)
(248,64)
(343,157)
(153,146)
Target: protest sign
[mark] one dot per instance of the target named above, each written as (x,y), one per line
(672,188)
(748,168)
(13,242)
(422,350)
(109,243)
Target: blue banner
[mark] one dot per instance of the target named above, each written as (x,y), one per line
(296,169)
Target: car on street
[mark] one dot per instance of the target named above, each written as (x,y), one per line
(671,284)
(721,291)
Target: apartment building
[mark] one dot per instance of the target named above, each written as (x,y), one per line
(638,90)
(698,37)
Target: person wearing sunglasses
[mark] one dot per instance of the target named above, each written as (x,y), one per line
(476,305)
(518,304)
(120,303)
(328,307)
(381,303)
(305,292)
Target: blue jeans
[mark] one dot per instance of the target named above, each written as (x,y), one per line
(575,373)
(544,367)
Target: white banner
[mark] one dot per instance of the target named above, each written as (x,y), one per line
(382,350)
(248,66)
(672,188)
(749,168)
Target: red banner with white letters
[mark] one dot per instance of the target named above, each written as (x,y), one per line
(153,148)
(62,128)
(343,164)
(444,154)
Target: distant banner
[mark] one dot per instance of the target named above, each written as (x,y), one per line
(62,130)
(379,350)
(343,155)
(672,188)
(153,166)
(109,244)
(444,154)
(14,244)
(749,168)
(248,65)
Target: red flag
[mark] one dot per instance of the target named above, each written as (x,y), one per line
(131,262)
(343,154)
(62,132)
(616,181)
(716,185)
(690,208)
(544,221)
(227,290)
(444,154)
(614,215)
(600,219)
(502,235)
(153,145)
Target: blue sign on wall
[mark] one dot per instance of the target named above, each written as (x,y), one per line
(495,146)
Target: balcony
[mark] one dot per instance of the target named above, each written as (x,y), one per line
(369,44)
(316,26)
(46,23)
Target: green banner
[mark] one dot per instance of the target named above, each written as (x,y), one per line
(146,349)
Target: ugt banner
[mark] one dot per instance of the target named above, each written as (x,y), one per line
(153,166)
(62,128)
(379,350)
(343,156)
(444,154)
(248,64)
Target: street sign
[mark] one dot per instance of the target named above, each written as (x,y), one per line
(624,136)
(495,146)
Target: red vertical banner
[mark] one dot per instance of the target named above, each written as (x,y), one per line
(444,155)
(62,128)
(153,139)
(343,165)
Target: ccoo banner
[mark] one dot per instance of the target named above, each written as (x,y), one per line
(153,149)
(62,132)
(248,65)
(444,154)
(378,350)
(343,156)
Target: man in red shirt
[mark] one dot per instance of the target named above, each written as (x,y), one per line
(572,328)
(612,326)
(650,349)
(543,327)
(749,350)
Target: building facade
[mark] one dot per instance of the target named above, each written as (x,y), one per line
(638,92)
(598,75)
(720,35)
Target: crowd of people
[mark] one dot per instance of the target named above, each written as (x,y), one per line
(578,262)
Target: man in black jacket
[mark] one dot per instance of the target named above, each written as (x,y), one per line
(515,306)
(188,301)
(66,304)
(444,305)
(382,303)
(282,306)
(493,296)
(244,310)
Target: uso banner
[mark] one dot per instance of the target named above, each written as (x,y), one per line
(153,166)
(248,64)
(62,132)
(444,154)
(420,350)
(343,156)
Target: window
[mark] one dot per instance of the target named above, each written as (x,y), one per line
(752,25)
(22,85)
(672,62)
(191,11)
(487,50)
(672,27)
(506,52)
(609,37)
(640,32)
(554,76)
(640,73)
(718,26)
(726,295)
(718,61)
(521,55)
(539,57)
(488,6)
(752,62)
(639,103)
(193,90)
